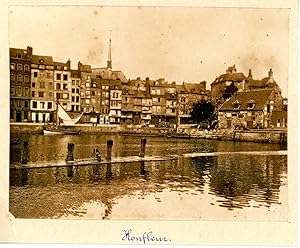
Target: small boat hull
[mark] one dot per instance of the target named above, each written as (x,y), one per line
(60,132)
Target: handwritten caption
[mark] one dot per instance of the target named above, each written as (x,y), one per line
(145,238)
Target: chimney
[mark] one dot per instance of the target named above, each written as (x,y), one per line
(270,74)
(233,69)
(250,74)
(69,64)
(29,51)
(79,65)
(203,85)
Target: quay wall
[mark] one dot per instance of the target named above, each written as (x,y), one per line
(264,136)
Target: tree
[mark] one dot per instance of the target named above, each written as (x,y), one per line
(202,111)
(229,91)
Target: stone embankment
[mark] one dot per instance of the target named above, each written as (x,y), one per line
(263,135)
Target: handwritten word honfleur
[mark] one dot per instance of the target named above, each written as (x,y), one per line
(146,237)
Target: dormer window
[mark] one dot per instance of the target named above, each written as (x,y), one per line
(251,104)
(236,104)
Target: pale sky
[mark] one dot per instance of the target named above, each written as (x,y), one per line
(176,43)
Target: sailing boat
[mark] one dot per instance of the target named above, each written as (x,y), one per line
(67,122)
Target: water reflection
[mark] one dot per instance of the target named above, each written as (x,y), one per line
(217,184)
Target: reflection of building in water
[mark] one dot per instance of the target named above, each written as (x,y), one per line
(241,178)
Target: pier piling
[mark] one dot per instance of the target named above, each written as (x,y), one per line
(109,149)
(24,153)
(70,156)
(143,147)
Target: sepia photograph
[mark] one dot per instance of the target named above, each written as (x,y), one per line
(149,113)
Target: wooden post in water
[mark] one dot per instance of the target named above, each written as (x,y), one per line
(109,149)
(70,156)
(24,153)
(143,147)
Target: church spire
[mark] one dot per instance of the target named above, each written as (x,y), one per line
(109,62)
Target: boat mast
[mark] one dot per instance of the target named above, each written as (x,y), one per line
(57,118)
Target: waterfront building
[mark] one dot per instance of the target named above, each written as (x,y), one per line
(128,95)
(62,84)
(157,90)
(20,82)
(146,108)
(259,108)
(115,102)
(220,83)
(189,94)
(42,104)
(85,92)
(75,91)
(171,103)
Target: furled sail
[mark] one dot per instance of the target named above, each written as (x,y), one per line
(66,119)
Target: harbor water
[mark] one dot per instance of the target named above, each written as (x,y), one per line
(224,186)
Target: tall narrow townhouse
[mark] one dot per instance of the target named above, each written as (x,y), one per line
(62,84)
(75,91)
(115,102)
(85,94)
(20,60)
(42,103)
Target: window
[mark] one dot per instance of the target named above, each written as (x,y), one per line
(50,84)
(57,95)
(20,67)
(77,98)
(158,99)
(35,74)
(12,90)
(26,105)
(12,66)
(33,84)
(87,101)
(77,91)
(65,77)
(49,105)
(20,78)
(19,91)
(73,99)
(41,94)
(32,93)
(228,114)
(65,86)
(73,90)
(73,107)
(58,76)
(26,79)
(34,104)
(65,96)
(93,93)
(25,115)
(87,93)
(26,67)
(87,85)
(58,86)
(26,91)
(42,85)
(236,104)
(50,94)
(48,75)
(73,82)
(12,77)
(42,105)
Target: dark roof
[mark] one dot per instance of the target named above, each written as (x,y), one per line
(170,95)
(194,88)
(75,73)
(45,60)
(258,97)
(234,77)
(106,73)
(181,89)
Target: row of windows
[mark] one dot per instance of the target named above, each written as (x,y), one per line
(19,78)
(59,76)
(19,91)
(42,105)
(19,67)
(36,74)
(41,94)
(42,84)
(62,96)
(19,104)
(61,86)
(75,91)
(75,108)
(75,98)
(76,82)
